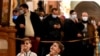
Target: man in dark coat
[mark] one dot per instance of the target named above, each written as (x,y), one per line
(52,26)
(88,32)
(72,31)
(52,30)
(29,24)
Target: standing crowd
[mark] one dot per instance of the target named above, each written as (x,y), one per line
(39,31)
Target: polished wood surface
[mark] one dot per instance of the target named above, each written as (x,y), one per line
(8,34)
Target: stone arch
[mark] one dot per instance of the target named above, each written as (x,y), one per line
(89,6)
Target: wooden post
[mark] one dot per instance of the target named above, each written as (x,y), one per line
(97,42)
(7,41)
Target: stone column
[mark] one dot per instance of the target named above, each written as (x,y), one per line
(13,6)
(35,4)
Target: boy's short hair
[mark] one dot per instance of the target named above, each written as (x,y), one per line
(71,11)
(26,39)
(15,11)
(54,9)
(24,5)
(61,46)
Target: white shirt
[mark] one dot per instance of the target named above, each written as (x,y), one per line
(85,25)
(54,55)
(41,18)
(20,54)
(29,31)
(28,54)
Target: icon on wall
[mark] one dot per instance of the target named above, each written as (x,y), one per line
(5,12)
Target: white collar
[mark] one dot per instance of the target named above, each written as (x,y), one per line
(54,55)
(29,51)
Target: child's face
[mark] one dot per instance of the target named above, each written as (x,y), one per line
(23,48)
(27,44)
(54,49)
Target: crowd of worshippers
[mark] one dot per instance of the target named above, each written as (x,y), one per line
(66,34)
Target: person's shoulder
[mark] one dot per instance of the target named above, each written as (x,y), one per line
(47,17)
(59,55)
(33,12)
(18,54)
(68,20)
(48,55)
(55,55)
(21,15)
(33,54)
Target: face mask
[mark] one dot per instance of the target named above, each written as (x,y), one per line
(85,18)
(54,16)
(15,17)
(41,18)
(73,16)
(21,12)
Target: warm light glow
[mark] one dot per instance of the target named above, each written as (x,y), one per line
(30,4)
(97,1)
(65,7)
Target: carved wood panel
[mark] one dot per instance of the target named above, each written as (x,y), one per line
(7,41)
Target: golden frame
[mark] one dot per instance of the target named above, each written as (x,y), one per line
(5,12)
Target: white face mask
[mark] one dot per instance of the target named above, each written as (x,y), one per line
(21,12)
(85,18)
(54,16)
(41,18)
(73,16)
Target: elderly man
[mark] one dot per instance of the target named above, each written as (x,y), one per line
(88,32)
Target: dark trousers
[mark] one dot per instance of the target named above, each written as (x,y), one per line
(18,46)
(35,44)
(88,49)
(72,49)
(44,48)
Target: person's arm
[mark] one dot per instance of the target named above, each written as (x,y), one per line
(80,29)
(37,25)
(20,22)
(21,51)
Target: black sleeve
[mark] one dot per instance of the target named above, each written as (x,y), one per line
(80,27)
(38,25)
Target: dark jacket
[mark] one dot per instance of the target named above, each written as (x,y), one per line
(90,33)
(36,23)
(50,33)
(71,29)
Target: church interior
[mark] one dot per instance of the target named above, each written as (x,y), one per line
(8,31)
